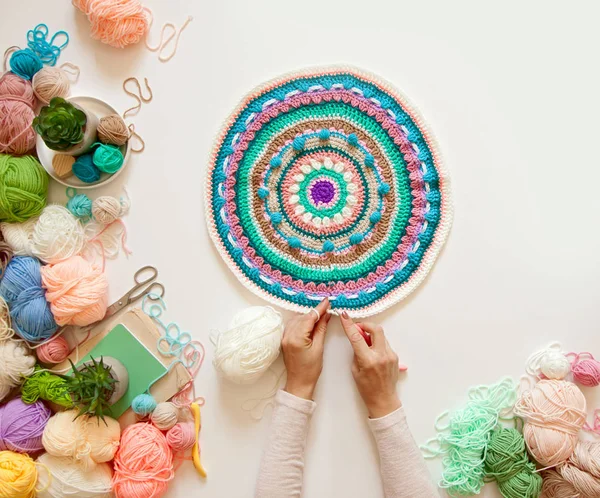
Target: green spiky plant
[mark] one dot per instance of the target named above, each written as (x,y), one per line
(91,387)
(60,124)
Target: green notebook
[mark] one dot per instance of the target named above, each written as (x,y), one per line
(141,364)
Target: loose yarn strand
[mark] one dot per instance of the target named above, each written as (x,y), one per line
(139,96)
(48,52)
(134,134)
(7,53)
(163,43)
(71,70)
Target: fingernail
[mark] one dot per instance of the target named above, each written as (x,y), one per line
(345,315)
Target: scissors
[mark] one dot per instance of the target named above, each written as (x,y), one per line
(145,275)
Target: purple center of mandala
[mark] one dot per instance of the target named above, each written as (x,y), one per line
(322,192)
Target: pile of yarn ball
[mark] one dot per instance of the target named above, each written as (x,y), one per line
(104,159)
(18,475)
(465,440)
(82,438)
(25,63)
(22,426)
(64,477)
(17,105)
(21,288)
(585,369)
(116,22)
(250,346)
(554,412)
(507,462)
(23,188)
(578,477)
(143,464)
(113,130)
(77,291)
(51,82)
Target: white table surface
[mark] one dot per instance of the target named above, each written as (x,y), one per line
(511,92)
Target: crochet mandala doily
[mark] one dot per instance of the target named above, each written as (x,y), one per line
(323,183)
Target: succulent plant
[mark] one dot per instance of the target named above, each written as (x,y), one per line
(60,124)
(91,386)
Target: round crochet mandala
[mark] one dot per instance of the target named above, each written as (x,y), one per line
(327,183)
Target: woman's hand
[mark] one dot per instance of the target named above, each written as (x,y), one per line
(302,344)
(375,368)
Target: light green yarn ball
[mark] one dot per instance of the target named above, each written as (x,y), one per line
(108,158)
(23,188)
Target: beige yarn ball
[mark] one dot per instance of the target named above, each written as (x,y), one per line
(113,130)
(16,362)
(50,82)
(165,416)
(19,236)
(86,439)
(106,209)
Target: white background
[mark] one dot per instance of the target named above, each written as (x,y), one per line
(509,88)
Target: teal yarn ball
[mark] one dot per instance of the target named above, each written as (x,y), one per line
(25,63)
(328,246)
(108,158)
(143,404)
(85,169)
(356,238)
(80,206)
(21,288)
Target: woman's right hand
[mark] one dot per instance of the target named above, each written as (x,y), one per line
(375,368)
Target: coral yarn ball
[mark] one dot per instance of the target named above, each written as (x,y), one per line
(54,351)
(76,290)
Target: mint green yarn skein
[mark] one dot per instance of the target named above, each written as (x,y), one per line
(507,462)
(108,158)
(23,188)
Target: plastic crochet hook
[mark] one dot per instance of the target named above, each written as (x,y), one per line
(196,449)
(367,338)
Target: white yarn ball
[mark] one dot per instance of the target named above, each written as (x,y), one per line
(50,82)
(555,365)
(18,236)
(250,346)
(106,209)
(70,479)
(57,235)
(16,362)
(165,416)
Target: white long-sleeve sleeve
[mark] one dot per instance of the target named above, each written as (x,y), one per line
(403,470)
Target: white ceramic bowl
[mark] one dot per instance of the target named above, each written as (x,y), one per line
(100,109)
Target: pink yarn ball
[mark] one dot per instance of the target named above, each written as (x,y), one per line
(586,369)
(77,291)
(116,22)
(54,351)
(181,437)
(17,102)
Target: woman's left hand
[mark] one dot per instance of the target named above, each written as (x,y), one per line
(302,344)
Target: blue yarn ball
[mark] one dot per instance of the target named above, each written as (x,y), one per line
(85,169)
(353,140)
(108,158)
(143,404)
(369,160)
(324,134)
(276,218)
(21,288)
(25,63)
(384,189)
(276,162)
(81,206)
(263,192)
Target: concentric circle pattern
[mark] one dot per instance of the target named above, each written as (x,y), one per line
(326,183)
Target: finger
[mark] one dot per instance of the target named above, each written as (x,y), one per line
(321,330)
(321,311)
(354,336)
(377,335)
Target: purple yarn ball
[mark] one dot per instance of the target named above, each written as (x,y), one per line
(22,426)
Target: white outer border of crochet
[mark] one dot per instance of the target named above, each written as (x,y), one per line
(447,210)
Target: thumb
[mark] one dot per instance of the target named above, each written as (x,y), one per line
(316,314)
(361,350)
